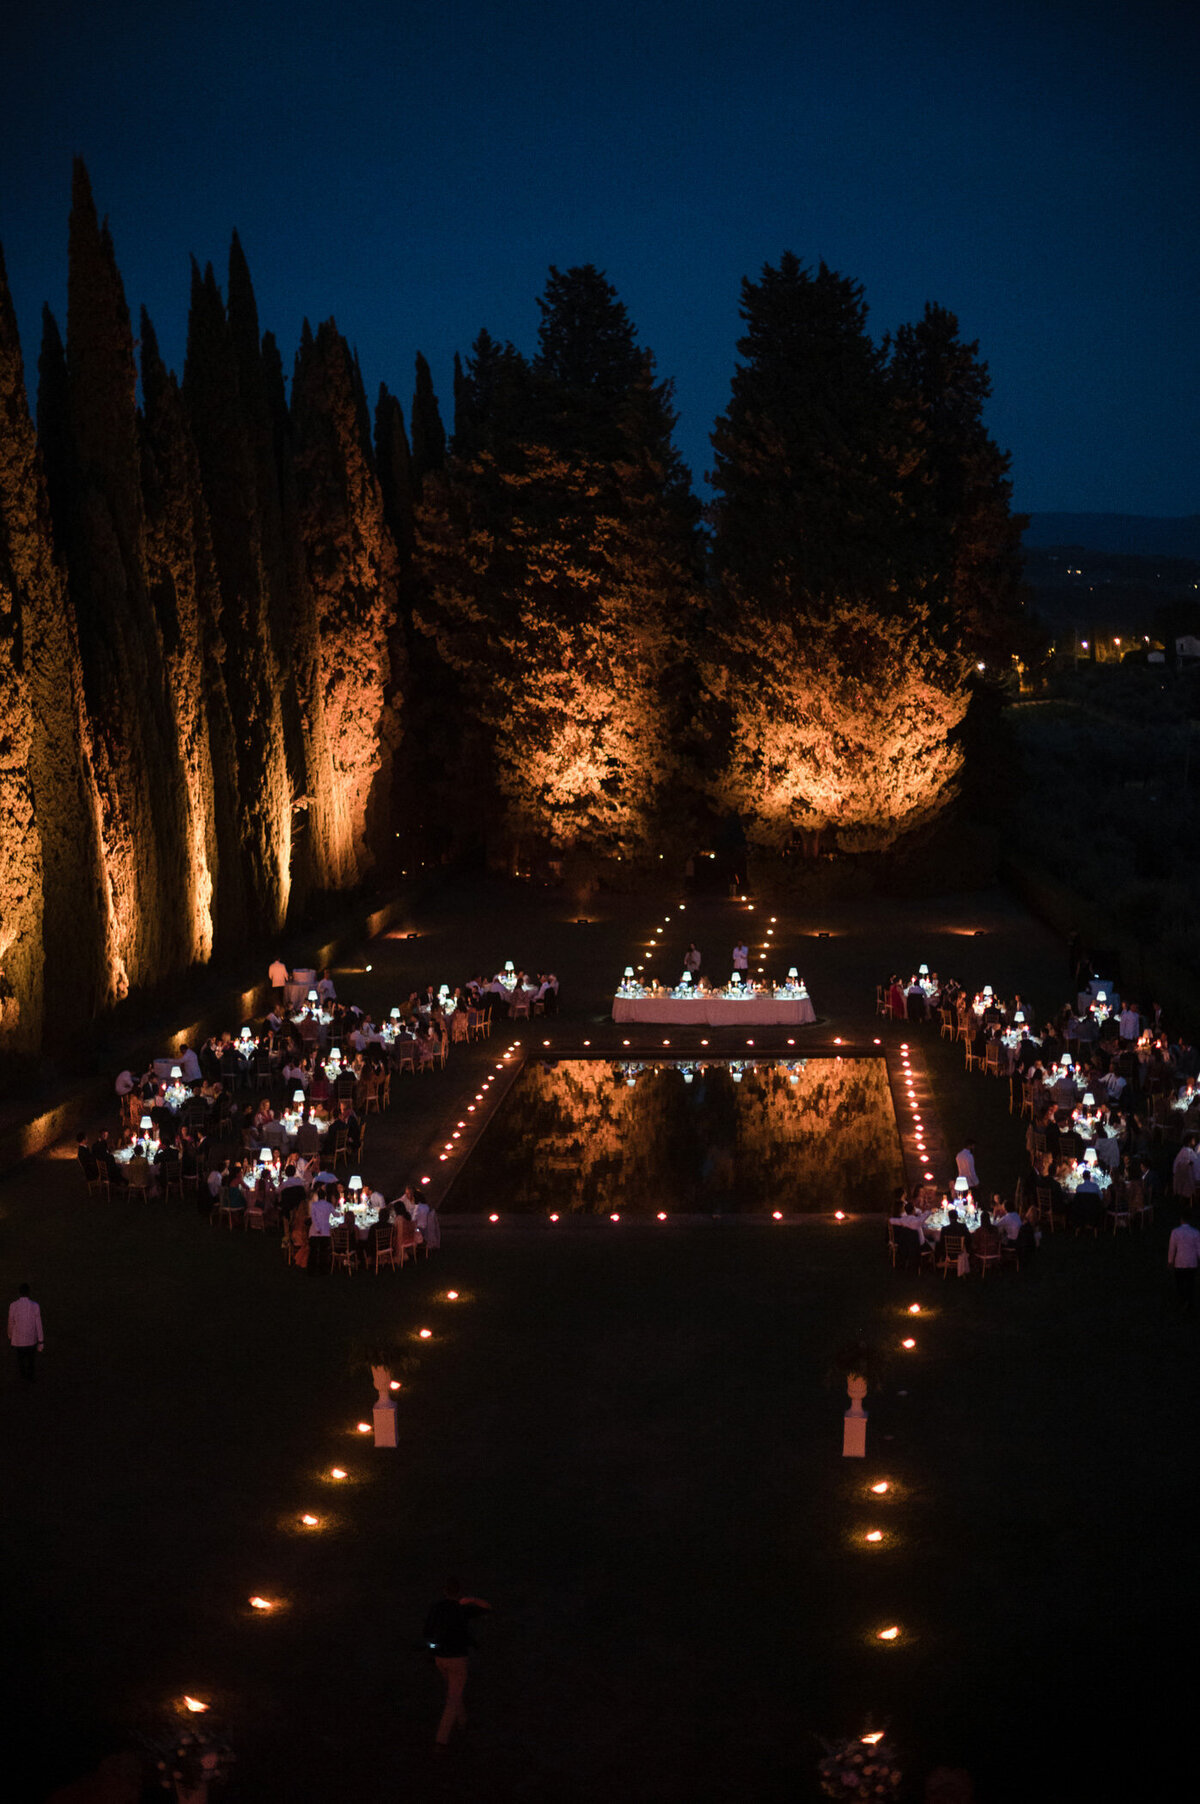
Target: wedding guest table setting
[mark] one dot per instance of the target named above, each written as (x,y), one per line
(741,1003)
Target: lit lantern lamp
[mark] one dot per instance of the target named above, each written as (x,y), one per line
(961,1187)
(1019,1018)
(922,970)
(1089,1101)
(629,971)
(509,967)
(793,973)
(298,1098)
(145,1124)
(736,980)
(176,1073)
(312,996)
(987,991)
(355,1183)
(394,1014)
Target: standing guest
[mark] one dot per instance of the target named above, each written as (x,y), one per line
(25,1333)
(325,990)
(1183,1171)
(319,1211)
(741,956)
(277,977)
(692,959)
(965,1163)
(1183,1256)
(1129,1025)
(448,1634)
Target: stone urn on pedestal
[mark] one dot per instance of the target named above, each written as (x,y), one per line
(858,1366)
(384,1412)
(854,1422)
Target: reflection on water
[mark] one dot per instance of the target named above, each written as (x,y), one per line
(592,1135)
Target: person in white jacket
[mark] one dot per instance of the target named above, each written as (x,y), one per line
(25,1333)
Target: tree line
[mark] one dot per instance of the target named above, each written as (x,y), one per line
(257,639)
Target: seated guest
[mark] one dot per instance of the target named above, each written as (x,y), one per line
(1005,1219)
(320,1089)
(1027,1239)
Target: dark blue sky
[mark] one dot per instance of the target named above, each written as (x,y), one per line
(414,171)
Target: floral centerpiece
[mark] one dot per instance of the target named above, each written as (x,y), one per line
(863,1767)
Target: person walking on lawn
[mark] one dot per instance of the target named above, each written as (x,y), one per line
(448,1636)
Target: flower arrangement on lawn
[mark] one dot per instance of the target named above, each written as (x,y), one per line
(191,1758)
(863,1767)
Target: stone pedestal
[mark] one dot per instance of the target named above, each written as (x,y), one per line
(854,1434)
(854,1429)
(384,1413)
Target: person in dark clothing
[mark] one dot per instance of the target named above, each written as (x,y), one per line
(448,1636)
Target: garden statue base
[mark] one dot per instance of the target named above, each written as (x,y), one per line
(385,1423)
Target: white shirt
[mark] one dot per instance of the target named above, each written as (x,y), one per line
(692,962)
(25,1323)
(189,1064)
(319,1213)
(1183,1249)
(326,991)
(741,958)
(277,975)
(1009,1225)
(966,1167)
(125,1084)
(1130,1025)
(215,1180)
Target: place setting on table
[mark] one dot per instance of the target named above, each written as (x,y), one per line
(693,1001)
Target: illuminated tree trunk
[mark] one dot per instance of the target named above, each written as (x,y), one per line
(135,753)
(79,927)
(352,568)
(170,480)
(211,392)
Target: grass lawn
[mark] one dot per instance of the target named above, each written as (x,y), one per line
(624,1438)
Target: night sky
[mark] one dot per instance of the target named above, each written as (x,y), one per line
(415,170)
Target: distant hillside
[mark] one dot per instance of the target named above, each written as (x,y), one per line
(1135,535)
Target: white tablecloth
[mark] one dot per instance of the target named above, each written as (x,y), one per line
(714,1011)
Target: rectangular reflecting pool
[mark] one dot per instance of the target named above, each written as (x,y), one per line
(717,1136)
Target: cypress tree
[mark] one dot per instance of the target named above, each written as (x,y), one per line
(176,574)
(352,567)
(326,863)
(79,928)
(212,394)
(428,433)
(134,750)
(21,875)
(393,460)
(965,538)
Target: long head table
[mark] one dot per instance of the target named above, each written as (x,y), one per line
(714,1011)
